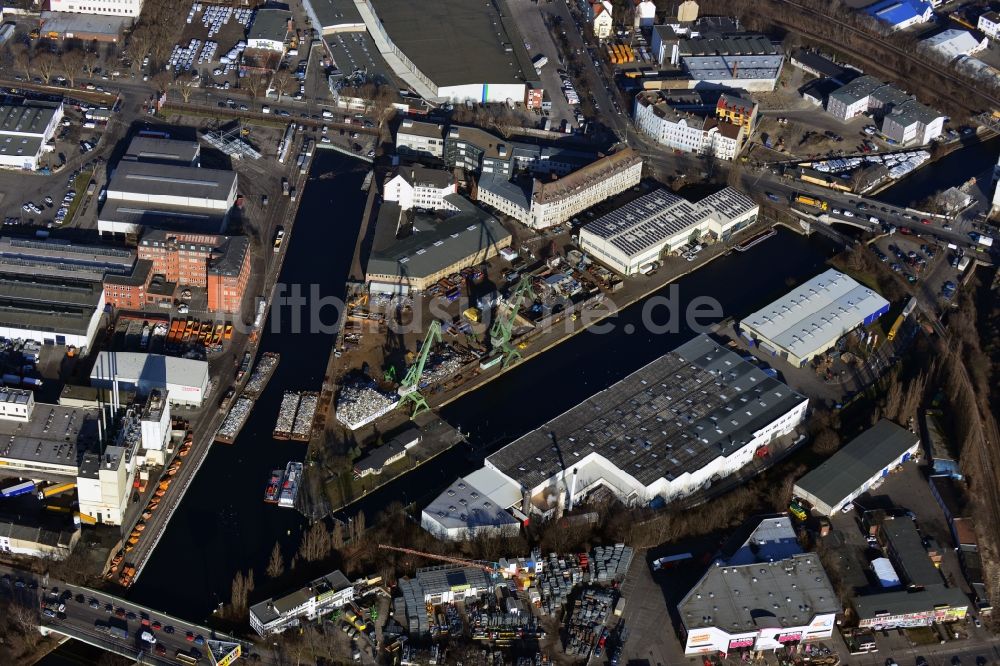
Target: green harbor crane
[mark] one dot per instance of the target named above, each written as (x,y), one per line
(503,326)
(409,390)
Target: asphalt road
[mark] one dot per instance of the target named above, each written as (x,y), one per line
(80,618)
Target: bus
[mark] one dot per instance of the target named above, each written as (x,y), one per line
(185,658)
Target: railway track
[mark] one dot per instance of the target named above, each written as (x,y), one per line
(989,100)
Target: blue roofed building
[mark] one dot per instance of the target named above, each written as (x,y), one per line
(901,14)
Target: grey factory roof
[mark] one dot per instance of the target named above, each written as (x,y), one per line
(54,435)
(333,13)
(85,24)
(463,506)
(903,602)
(378,456)
(858,89)
(174,218)
(913,112)
(674,415)
(738,599)
(818,63)
(457,42)
(434,245)
(438,580)
(26,118)
(728,46)
(659,215)
(171,151)
(41,303)
(908,550)
(512,190)
(270,23)
(772,539)
(154,368)
(110,458)
(814,313)
(420,128)
(20,146)
(355,51)
(171,180)
(890,96)
(62,258)
(857,462)
(44,536)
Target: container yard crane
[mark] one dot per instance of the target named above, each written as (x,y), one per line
(409,390)
(491,569)
(503,327)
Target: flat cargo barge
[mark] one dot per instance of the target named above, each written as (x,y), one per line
(262,374)
(234,421)
(303,425)
(286,415)
(754,240)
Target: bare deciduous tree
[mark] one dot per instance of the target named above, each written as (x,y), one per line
(276,565)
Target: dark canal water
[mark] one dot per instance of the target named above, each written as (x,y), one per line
(949,171)
(224,526)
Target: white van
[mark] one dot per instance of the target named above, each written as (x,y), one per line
(266,109)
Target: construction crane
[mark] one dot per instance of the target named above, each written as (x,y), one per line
(491,569)
(409,390)
(503,327)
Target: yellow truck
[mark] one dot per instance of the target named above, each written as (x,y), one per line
(811,202)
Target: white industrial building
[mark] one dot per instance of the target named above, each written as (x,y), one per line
(25,132)
(852,470)
(989,24)
(184,380)
(49,309)
(269,29)
(913,123)
(660,223)
(645,14)
(420,139)
(904,120)
(672,428)
(688,132)
(419,187)
(812,317)
(109,7)
(40,440)
(553,202)
(759,607)
(325,594)
(35,541)
(953,43)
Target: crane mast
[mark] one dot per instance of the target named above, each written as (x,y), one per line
(503,326)
(409,390)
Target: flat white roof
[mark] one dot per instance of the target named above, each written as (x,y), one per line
(817,312)
(495,486)
(133,367)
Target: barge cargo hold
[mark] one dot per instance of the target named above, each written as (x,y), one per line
(286,415)
(274,486)
(262,374)
(290,486)
(234,421)
(303,425)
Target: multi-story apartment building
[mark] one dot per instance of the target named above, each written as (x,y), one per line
(478,151)
(326,593)
(714,135)
(128,292)
(989,24)
(112,7)
(419,187)
(420,139)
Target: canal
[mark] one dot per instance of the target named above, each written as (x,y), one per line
(223,526)
(950,171)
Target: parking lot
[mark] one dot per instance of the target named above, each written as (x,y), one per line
(530,18)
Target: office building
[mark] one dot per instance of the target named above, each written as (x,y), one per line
(184,380)
(989,24)
(661,223)
(553,202)
(219,264)
(903,119)
(325,594)
(767,605)
(420,139)
(479,152)
(269,30)
(912,123)
(852,470)
(26,132)
(671,429)
(412,250)
(709,134)
(17,538)
(812,317)
(901,14)
(419,187)
(131,8)
(853,98)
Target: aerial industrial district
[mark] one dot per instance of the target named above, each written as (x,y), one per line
(635,332)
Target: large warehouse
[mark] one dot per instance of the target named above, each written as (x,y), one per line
(438,246)
(853,469)
(659,223)
(184,379)
(688,419)
(761,606)
(446,50)
(49,309)
(811,318)
(25,132)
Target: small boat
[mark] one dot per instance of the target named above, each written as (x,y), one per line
(274,486)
